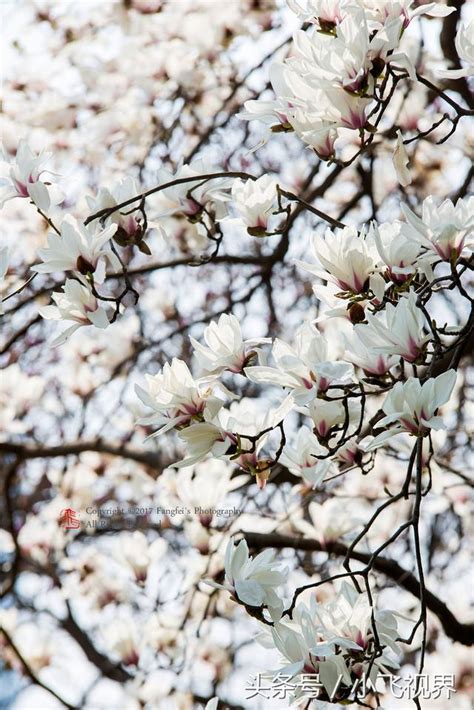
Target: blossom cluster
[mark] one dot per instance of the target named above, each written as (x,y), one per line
(374,282)
(338,68)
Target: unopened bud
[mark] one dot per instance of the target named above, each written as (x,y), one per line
(356,313)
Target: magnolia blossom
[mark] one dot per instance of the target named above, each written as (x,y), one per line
(328,82)
(176,398)
(446,230)
(348,259)
(189,197)
(413,407)
(236,434)
(384,10)
(306,368)
(76,303)
(326,13)
(252,581)
(363,350)
(401,327)
(123,641)
(202,439)
(464,43)
(327,523)
(225,348)
(399,253)
(326,415)
(137,553)
(401,162)
(79,248)
(273,113)
(301,458)
(24,178)
(202,488)
(129,229)
(256,202)
(335,640)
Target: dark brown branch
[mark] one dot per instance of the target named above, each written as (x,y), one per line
(31,675)
(25,451)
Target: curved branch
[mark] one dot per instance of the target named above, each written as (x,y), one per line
(25,451)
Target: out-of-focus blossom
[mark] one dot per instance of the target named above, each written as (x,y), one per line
(76,303)
(137,553)
(464,43)
(122,640)
(190,197)
(445,230)
(4,259)
(203,488)
(225,348)
(413,407)
(19,392)
(401,162)
(79,248)
(252,581)
(327,523)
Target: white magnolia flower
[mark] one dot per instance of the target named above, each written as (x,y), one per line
(4,259)
(397,251)
(335,640)
(464,43)
(203,488)
(273,113)
(76,303)
(326,13)
(225,348)
(202,439)
(413,407)
(191,196)
(362,351)
(301,458)
(348,258)
(305,369)
(255,201)
(235,434)
(128,222)
(385,10)
(79,248)
(122,641)
(327,522)
(401,162)
(176,398)
(446,230)
(401,327)
(137,553)
(329,414)
(252,581)
(24,178)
